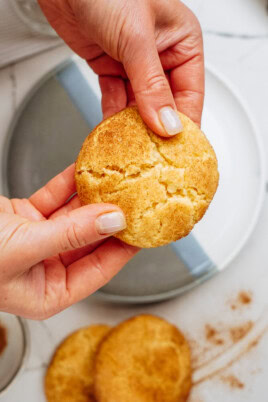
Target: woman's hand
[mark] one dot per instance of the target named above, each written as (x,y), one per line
(54,253)
(148,52)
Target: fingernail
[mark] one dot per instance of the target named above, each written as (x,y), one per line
(110,223)
(170,120)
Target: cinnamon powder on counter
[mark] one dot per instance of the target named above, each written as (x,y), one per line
(244,298)
(232,381)
(3,339)
(212,335)
(220,337)
(239,332)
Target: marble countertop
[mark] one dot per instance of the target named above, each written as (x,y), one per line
(236,369)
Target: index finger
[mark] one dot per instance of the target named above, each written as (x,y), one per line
(187,84)
(85,276)
(55,193)
(185,63)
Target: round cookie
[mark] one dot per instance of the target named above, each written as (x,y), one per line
(69,376)
(163,185)
(144,359)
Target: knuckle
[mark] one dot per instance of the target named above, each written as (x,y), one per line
(129,250)
(97,265)
(154,83)
(50,308)
(40,316)
(197,25)
(194,21)
(195,32)
(5,204)
(73,236)
(128,31)
(3,199)
(4,300)
(157,81)
(48,313)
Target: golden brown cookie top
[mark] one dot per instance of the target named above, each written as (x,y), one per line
(163,185)
(69,376)
(144,359)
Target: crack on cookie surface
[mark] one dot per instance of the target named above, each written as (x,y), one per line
(181,195)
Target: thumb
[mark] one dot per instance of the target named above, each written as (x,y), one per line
(150,86)
(74,230)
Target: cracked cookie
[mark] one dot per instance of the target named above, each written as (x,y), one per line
(163,185)
(143,359)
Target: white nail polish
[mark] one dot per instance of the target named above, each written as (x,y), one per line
(111,222)
(170,120)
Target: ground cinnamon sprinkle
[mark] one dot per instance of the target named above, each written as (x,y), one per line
(240,331)
(3,339)
(220,338)
(244,298)
(232,381)
(253,344)
(212,335)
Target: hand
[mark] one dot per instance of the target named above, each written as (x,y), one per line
(144,51)
(54,253)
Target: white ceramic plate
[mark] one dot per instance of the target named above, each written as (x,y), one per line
(234,211)
(40,147)
(230,219)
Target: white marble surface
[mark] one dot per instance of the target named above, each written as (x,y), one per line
(236,44)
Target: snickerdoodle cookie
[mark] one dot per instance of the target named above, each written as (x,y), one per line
(144,359)
(163,185)
(69,376)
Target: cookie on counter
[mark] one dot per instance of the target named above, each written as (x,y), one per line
(69,376)
(163,185)
(143,359)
